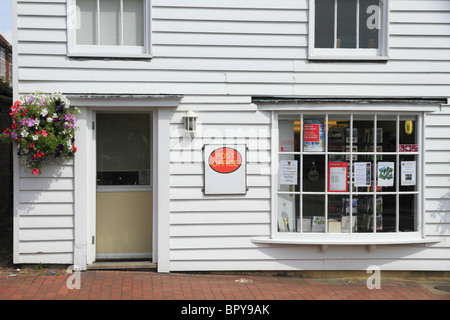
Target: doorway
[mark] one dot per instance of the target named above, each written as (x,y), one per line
(124,204)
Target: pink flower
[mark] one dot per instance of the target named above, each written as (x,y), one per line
(35,171)
(44,133)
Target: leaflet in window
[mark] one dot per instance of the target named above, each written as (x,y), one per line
(313,135)
(337,177)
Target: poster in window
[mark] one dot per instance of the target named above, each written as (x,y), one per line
(338,176)
(408,173)
(362,174)
(288,172)
(386,174)
(313,135)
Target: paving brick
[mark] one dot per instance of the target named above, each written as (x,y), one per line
(113,285)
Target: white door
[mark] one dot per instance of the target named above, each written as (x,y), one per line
(124,194)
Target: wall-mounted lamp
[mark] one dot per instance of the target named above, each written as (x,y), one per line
(190,123)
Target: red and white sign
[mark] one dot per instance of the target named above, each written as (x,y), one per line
(225,169)
(338,176)
(311,133)
(408,148)
(225,160)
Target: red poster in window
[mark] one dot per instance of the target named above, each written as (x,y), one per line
(311,133)
(338,177)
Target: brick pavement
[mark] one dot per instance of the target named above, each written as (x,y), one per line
(147,285)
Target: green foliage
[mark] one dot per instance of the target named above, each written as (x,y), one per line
(43,128)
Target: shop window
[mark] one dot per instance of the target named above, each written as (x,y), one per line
(123,149)
(348,29)
(348,173)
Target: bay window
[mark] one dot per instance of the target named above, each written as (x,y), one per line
(355,173)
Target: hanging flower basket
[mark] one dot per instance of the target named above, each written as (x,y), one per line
(43,128)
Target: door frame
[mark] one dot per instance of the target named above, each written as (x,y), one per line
(162,108)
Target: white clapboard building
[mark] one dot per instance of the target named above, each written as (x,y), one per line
(317,133)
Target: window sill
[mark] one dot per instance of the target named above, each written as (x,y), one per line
(348,58)
(110,56)
(370,243)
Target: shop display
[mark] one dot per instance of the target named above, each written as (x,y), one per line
(351,176)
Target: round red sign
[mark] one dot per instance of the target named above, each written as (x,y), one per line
(225,160)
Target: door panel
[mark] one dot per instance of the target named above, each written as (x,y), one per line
(124,224)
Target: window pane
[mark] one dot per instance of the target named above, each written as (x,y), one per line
(109,22)
(362,211)
(123,149)
(364,140)
(387,132)
(363,173)
(407,216)
(386,174)
(339,219)
(313,134)
(408,173)
(289,173)
(314,173)
(133,22)
(346,24)
(338,173)
(86,22)
(369,23)
(288,213)
(338,133)
(313,213)
(289,132)
(386,213)
(324,24)
(408,133)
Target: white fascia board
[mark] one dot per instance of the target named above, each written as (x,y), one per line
(125,100)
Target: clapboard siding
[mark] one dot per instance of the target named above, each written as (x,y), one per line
(269,39)
(437,175)
(46,215)
(218,54)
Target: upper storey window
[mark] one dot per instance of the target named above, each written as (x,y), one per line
(109,27)
(348,29)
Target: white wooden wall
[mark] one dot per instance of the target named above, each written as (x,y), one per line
(45,215)
(219,54)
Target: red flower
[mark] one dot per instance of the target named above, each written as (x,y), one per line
(14,126)
(40,154)
(7,131)
(74,148)
(32,145)
(35,171)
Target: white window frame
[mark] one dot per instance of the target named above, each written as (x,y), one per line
(106,51)
(351,238)
(347,53)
